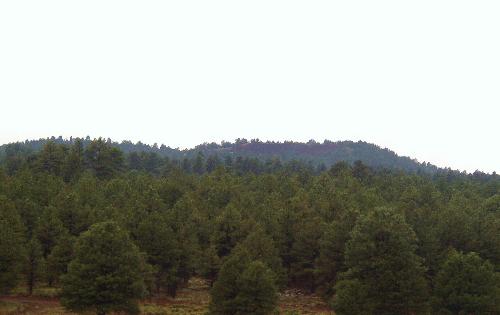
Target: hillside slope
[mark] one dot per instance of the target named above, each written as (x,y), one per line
(327,153)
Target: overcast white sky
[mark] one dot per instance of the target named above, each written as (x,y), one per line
(419,77)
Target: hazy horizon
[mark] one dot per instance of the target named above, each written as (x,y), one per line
(233,140)
(421,79)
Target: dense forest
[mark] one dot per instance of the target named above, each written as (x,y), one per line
(372,233)
(318,154)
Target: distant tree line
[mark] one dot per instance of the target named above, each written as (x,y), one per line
(323,154)
(110,228)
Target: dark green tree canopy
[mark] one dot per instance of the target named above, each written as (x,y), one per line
(384,273)
(244,286)
(106,273)
(158,240)
(103,159)
(368,238)
(467,284)
(11,245)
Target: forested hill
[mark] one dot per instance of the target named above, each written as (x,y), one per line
(395,242)
(318,154)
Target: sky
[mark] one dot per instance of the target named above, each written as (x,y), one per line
(419,77)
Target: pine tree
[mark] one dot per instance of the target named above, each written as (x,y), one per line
(103,159)
(134,161)
(227,231)
(49,229)
(199,163)
(213,162)
(35,264)
(59,258)
(467,284)
(51,158)
(257,290)
(106,273)
(261,247)
(209,264)
(11,245)
(305,251)
(225,288)
(385,275)
(74,164)
(156,238)
(331,261)
(243,287)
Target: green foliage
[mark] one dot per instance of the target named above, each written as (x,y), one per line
(11,245)
(209,264)
(385,275)
(51,158)
(103,159)
(191,212)
(157,239)
(35,264)
(227,231)
(49,229)
(260,246)
(467,284)
(59,258)
(243,287)
(257,290)
(492,204)
(106,273)
(226,287)
(352,297)
(331,260)
(248,154)
(74,161)
(305,251)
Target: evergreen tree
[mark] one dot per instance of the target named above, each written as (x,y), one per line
(361,171)
(257,290)
(35,264)
(331,261)
(199,163)
(305,251)
(213,162)
(49,229)
(385,275)
(106,273)
(186,165)
(59,258)
(11,245)
(156,238)
(74,163)
(152,162)
(51,158)
(226,289)
(103,159)
(227,231)
(134,161)
(467,284)
(261,247)
(243,287)
(209,264)
(75,217)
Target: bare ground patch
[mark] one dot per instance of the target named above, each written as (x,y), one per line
(191,300)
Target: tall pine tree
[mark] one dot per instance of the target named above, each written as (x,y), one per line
(384,276)
(106,273)
(11,245)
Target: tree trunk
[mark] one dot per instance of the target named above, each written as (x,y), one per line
(31,282)
(172,289)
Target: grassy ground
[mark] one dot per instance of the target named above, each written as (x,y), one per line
(192,300)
